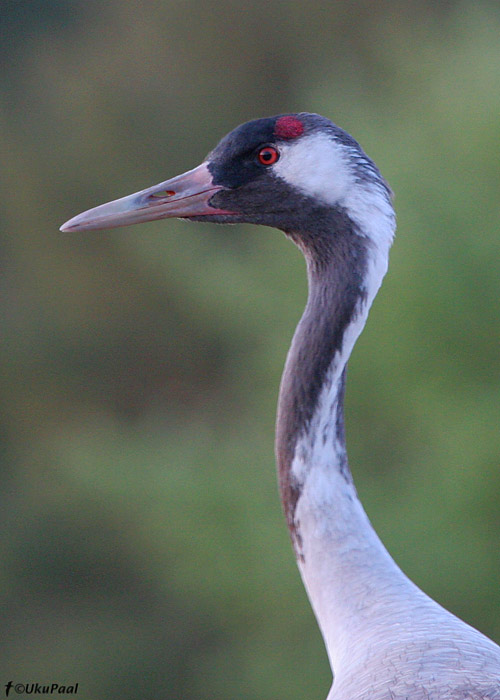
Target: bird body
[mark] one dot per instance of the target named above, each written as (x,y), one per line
(385,638)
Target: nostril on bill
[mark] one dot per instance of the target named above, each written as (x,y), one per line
(165,193)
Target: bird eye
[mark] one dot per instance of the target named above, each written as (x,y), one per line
(268,155)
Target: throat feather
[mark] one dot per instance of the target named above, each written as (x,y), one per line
(310,408)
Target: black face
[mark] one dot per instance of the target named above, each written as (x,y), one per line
(242,162)
(235,160)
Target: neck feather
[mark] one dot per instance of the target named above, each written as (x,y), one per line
(345,269)
(328,526)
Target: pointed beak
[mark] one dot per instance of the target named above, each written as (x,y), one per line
(182,196)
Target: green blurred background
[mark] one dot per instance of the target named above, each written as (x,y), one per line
(144,553)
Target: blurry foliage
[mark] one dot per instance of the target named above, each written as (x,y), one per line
(144,552)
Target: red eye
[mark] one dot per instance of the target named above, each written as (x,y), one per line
(268,155)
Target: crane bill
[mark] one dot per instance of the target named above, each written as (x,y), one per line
(183,196)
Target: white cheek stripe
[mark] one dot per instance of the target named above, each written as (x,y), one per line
(315,164)
(321,168)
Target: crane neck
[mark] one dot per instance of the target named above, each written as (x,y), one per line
(344,269)
(338,552)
